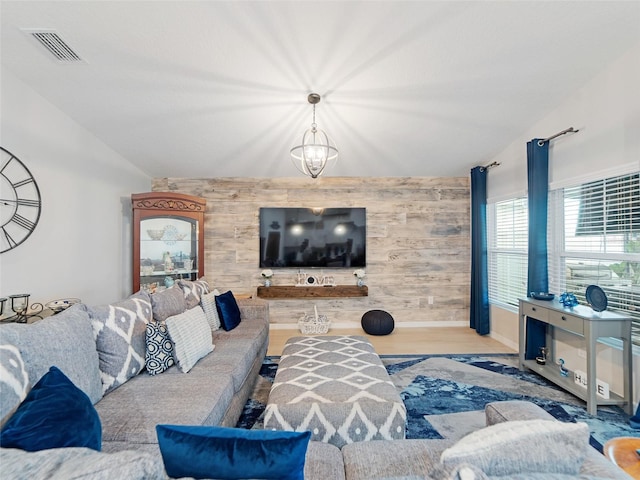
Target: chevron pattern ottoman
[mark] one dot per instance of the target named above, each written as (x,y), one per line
(337,388)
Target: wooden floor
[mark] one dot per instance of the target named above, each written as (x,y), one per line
(410,341)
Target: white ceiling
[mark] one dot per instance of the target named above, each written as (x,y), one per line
(219,88)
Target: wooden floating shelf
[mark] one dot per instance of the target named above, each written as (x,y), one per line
(291,291)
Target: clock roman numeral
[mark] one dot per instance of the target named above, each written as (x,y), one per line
(28,203)
(23,222)
(12,243)
(6,164)
(22,182)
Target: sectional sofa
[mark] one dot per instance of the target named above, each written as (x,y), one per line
(98,349)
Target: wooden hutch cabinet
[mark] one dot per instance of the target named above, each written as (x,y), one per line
(168,239)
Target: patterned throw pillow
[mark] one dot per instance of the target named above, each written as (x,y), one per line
(191,337)
(193,291)
(66,340)
(167,303)
(119,330)
(159,356)
(14,381)
(208,302)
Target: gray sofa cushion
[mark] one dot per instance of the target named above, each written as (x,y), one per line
(237,350)
(120,329)
(323,461)
(14,381)
(64,340)
(79,463)
(392,459)
(498,412)
(131,412)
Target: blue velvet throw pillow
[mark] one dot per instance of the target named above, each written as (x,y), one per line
(232,453)
(54,414)
(228,311)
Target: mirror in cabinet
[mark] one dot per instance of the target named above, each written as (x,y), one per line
(168,244)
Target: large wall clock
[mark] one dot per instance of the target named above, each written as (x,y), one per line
(20,202)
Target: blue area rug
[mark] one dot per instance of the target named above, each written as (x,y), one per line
(445,395)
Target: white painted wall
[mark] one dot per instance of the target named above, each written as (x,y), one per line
(81,246)
(607,113)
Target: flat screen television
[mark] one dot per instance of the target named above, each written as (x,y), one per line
(313,237)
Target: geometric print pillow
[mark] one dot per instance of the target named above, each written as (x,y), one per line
(14,381)
(193,291)
(159,356)
(120,330)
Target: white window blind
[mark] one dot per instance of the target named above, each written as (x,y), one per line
(593,239)
(507,227)
(601,242)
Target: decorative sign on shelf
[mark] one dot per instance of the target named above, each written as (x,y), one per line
(305,280)
(602,388)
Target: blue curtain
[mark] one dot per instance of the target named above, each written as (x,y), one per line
(635,420)
(479,308)
(538,274)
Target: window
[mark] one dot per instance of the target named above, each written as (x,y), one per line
(593,239)
(601,242)
(507,227)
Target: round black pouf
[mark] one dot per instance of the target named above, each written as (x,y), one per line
(377,322)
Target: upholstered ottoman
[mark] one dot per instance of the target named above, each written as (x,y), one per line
(336,387)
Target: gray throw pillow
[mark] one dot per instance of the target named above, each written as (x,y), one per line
(14,381)
(167,303)
(64,340)
(193,291)
(523,446)
(120,330)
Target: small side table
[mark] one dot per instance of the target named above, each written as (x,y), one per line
(622,451)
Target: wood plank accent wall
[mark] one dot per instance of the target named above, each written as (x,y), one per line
(418,242)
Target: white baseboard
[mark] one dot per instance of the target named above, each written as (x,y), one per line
(505,341)
(352,325)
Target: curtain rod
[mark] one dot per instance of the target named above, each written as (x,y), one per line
(568,130)
(487,167)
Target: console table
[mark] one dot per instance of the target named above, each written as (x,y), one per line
(590,325)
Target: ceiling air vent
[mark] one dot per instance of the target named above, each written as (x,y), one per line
(52,41)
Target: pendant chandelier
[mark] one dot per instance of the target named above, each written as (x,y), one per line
(315,152)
